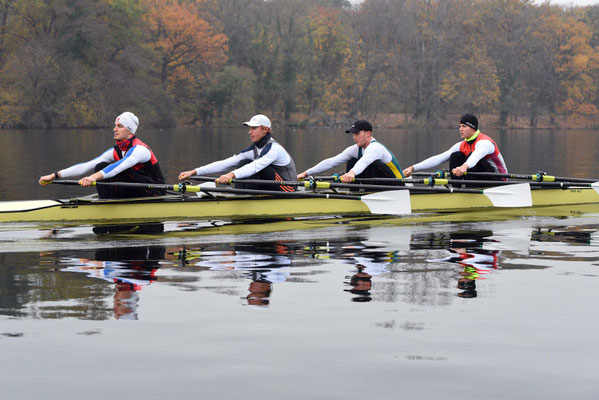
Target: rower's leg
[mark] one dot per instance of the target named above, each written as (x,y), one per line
(379,169)
(457,159)
(129,175)
(375,170)
(104,192)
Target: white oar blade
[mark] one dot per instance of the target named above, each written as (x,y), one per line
(395,202)
(595,185)
(517,195)
(26,205)
(205,185)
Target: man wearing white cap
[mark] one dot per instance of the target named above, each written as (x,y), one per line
(265,159)
(130,160)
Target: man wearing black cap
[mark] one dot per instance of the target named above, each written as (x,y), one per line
(477,153)
(367,158)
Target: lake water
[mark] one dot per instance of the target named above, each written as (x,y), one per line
(343,308)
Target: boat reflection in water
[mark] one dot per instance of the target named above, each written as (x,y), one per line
(129,268)
(563,235)
(125,229)
(465,249)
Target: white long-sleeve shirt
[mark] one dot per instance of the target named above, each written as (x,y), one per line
(135,155)
(271,153)
(373,152)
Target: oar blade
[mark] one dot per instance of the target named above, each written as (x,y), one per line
(394,202)
(595,185)
(517,195)
(202,189)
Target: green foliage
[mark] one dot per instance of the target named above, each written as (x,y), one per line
(230,96)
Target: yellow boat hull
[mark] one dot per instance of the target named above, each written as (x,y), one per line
(179,208)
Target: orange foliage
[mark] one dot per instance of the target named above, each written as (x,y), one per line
(183,38)
(576,62)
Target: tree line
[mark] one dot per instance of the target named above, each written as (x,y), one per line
(79,63)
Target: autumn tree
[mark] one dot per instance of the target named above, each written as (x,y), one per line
(187,49)
(507,34)
(576,64)
(327,45)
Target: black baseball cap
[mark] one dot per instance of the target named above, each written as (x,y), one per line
(360,125)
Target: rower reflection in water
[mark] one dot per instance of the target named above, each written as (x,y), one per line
(264,264)
(361,280)
(130,269)
(130,161)
(466,250)
(361,283)
(265,159)
(476,263)
(367,158)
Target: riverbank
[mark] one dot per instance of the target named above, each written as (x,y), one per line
(407,121)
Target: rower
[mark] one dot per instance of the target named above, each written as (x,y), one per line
(130,160)
(367,158)
(476,153)
(264,159)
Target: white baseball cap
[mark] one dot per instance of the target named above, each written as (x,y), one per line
(258,120)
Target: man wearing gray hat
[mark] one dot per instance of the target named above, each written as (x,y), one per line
(367,158)
(264,159)
(130,160)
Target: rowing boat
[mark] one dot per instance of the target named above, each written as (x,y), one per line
(271,206)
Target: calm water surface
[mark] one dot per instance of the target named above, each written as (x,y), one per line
(26,155)
(330,309)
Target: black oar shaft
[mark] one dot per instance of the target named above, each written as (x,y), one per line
(535,177)
(161,186)
(327,185)
(217,190)
(474,182)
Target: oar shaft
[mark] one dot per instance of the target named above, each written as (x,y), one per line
(474,182)
(535,177)
(330,185)
(193,188)
(161,186)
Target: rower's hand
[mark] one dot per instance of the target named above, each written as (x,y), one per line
(459,171)
(302,175)
(226,178)
(47,179)
(408,171)
(89,180)
(348,177)
(186,174)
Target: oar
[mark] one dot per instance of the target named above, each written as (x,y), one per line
(432,181)
(389,202)
(159,186)
(514,195)
(539,177)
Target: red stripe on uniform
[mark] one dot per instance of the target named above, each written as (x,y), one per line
(284,188)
